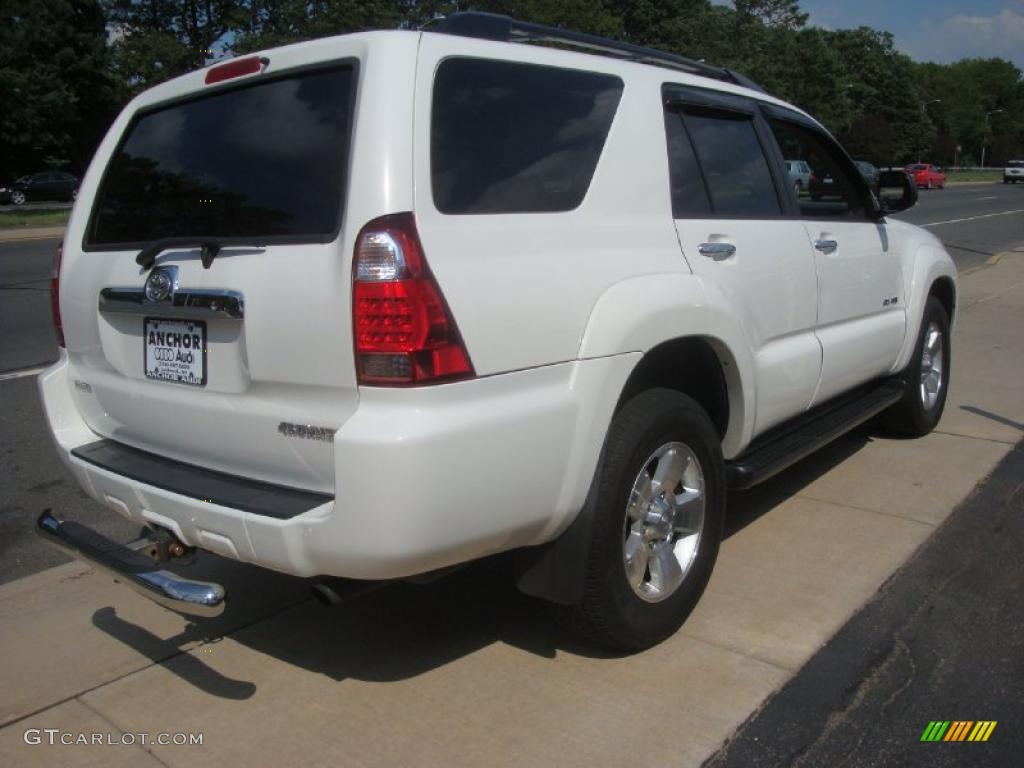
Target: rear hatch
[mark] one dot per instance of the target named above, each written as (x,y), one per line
(235,339)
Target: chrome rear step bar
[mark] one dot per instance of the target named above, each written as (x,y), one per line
(128,565)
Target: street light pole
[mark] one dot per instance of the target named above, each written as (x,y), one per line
(994,111)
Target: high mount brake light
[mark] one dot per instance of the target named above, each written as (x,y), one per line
(404,332)
(58,325)
(236,68)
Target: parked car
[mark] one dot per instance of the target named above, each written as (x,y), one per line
(927,176)
(46,185)
(427,296)
(1013,172)
(869,172)
(800,174)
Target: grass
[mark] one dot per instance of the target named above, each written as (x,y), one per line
(996,174)
(19,219)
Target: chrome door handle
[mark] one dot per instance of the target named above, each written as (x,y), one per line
(716,250)
(826,246)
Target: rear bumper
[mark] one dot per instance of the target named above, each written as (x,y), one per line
(425,478)
(128,566)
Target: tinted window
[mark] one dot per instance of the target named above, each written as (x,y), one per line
(262,160)
(516,138)
(833,190)
(689,196)
(733,163)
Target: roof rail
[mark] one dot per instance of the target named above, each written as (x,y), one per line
(493,26)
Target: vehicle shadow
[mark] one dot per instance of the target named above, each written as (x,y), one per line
(403,630)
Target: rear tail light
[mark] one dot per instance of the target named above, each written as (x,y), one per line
(55,294)
(404,331)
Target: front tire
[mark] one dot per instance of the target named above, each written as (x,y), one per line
(927,377)
(658,508)
(18,197)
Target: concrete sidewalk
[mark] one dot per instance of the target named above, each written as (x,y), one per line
(466,672)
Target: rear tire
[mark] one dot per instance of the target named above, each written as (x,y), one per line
(927,378)
(658,509)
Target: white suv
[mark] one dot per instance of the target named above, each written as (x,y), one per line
(376,305)
(1013,172)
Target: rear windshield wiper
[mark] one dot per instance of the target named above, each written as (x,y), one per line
(209,249)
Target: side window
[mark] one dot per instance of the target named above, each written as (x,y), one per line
(733,164)
(507,137)
(689,195)
(833,191)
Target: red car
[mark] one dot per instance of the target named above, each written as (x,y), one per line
(927,176)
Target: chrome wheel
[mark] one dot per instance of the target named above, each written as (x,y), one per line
(18,197)
(932,366)
(664,522)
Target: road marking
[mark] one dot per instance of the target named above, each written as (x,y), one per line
(993,197)
(972,218)
(23,373)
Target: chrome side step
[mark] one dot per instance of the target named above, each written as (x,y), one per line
(129,566)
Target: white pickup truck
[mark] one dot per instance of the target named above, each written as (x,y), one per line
(376,305)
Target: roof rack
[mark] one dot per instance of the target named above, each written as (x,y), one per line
(493,26)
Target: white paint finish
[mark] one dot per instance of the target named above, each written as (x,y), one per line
(769,286)
(857,351)
(521,286)
(677,305)
(860,302)
(291,358)
(570,302)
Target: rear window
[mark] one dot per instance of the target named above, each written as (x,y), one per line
(265,160)
(516,138)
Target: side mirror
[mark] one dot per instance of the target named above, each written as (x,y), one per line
(896,191)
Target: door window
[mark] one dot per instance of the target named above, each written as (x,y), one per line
(725,154)
(507,137)
(833,191)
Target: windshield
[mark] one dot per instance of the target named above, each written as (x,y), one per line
(917,168)
(266,160)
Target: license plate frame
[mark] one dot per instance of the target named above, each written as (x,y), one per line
(174,370)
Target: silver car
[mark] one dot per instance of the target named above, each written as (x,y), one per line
(799,174)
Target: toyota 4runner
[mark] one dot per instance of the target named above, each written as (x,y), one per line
(376,305)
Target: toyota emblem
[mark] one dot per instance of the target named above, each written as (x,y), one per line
(160,283)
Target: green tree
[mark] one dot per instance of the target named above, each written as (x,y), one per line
(56,96)
(155,40)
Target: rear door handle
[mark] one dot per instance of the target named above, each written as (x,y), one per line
(826,246)
(716,250)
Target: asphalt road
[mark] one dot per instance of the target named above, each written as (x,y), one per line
(974,221)
(32,478)
(942,640)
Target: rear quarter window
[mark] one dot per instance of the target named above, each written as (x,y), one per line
(266,160)
(507,137)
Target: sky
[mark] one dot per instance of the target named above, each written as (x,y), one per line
(932,30)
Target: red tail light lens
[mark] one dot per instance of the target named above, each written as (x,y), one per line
(55,294)
(404,331)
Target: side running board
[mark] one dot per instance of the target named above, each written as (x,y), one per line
(787,444)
